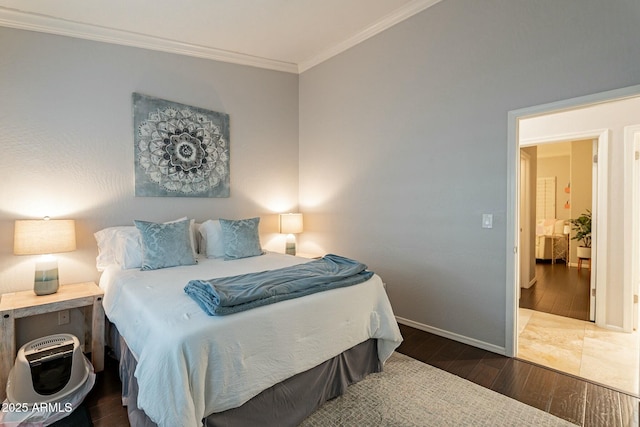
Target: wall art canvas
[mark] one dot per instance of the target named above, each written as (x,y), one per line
(180,151)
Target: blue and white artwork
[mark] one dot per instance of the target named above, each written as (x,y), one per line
(180,151)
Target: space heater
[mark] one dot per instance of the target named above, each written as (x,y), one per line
(47,369)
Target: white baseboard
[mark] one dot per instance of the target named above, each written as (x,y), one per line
(451,335)
(531,282)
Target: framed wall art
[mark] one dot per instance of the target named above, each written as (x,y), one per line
(180,150)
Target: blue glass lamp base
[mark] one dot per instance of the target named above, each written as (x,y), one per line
(46,278)
(290,249)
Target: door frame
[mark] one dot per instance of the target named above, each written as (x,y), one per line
(513,183)
(599,186)
(632,222)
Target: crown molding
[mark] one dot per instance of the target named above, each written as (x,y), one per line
(47,24)
(377,27)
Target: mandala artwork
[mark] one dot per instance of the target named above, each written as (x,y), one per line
(179,150)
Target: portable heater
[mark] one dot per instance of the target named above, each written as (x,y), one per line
(47,369)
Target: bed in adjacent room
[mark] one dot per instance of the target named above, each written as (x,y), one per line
(271,365)
(551,239)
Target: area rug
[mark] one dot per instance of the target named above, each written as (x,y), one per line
(412,393)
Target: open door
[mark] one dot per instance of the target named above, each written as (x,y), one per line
(632,221)
(525,222)
(635,203)
(593,265)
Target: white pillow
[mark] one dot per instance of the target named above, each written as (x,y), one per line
(122,245)
(211,232)
(129,248)
(107,245)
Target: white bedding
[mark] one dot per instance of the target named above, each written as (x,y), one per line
(191,365)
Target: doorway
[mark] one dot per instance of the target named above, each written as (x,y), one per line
(612,308)
(562,190)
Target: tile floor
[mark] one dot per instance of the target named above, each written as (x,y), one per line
(580,348)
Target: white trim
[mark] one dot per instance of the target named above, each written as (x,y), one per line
(451,335)
(386,22)
(47,24)
(513,161)
(631,222)
(562,137)
(512,215)
(599,234)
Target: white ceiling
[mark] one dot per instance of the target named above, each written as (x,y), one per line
(285,35)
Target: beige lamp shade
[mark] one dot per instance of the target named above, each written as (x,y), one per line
(44,236)
(291,223)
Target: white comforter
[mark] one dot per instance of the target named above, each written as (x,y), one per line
(191,365)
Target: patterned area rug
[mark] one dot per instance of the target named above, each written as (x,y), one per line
(412,393)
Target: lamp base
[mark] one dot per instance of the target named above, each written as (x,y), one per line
(46,277)
(290,249)
(46,288)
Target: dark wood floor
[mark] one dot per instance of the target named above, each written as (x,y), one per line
(565,396)
(105,399)
(559,290)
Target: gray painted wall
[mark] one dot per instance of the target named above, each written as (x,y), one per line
(403,142)
(67,141)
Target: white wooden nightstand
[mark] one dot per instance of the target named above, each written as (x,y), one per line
(23,304)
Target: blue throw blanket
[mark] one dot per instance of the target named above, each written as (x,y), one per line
(227,295)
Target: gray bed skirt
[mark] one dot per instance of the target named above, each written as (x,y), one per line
(285,404)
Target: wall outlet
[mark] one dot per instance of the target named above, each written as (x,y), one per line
(63,317)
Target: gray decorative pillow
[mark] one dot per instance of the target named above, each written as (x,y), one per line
(240,238)
(165,245)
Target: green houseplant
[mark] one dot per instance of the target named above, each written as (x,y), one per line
(582,228)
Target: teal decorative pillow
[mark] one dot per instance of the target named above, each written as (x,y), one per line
(240,238)
(165,245)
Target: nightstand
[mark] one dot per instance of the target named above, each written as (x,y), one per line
(17,305)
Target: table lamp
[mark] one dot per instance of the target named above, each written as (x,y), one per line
(44,237)
(290,224)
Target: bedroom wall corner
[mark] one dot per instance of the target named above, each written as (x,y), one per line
(67,141)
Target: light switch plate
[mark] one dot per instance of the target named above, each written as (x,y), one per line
(487,220)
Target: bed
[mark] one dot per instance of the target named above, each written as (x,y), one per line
(551,242)
(181,366)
